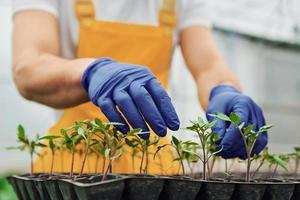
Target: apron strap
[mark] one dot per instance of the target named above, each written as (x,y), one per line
(84,9)
(167,14)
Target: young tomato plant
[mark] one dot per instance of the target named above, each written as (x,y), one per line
(70,142)
(248,135)
(136,142)
(53,147)
(27,144)
(207,140)
(111,140)
(296,156)
(261,158)
(276,161)
(86,130)
(99,150)
(183,149)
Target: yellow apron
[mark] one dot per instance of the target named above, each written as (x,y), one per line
(136,44)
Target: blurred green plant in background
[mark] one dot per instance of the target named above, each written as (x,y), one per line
(6,191)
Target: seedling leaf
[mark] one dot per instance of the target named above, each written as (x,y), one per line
(221,116)
(21,132)
(175,140)
(280,162)
(235,118)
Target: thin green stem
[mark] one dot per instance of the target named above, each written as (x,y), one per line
(275,171)
(31,164)
(204,155)
(247,178)
(147,161)
(52,162)
(96,163)
(106,171)
(142,161)
(258,168)
(72,164)
(181,160)
(103,165)
(296,165)
(84,158)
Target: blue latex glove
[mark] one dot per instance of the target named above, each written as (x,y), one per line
(227,99)
(135,91)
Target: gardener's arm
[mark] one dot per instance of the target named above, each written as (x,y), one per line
(219,91)
(40,74)
(204,61)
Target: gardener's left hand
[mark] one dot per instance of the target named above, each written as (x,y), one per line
(227,99)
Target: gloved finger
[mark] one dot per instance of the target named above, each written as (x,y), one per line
(255,118)
(232,141)
(234,148)
(110,111)
(164,104)
(130,111)
(146,105)
(260,144)
(262,140)
(220,127)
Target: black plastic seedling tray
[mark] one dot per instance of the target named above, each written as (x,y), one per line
(140,187)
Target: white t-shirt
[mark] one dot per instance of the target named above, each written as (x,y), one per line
(189,12)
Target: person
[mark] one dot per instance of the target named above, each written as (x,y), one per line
(111,59)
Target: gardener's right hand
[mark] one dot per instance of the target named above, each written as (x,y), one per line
(135,91)
(226,99)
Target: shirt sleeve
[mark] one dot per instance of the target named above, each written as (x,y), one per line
(50,6)
(192,12)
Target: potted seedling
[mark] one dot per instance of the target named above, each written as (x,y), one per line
(138,144)
(25,183)
(149,186)
(276,161)
(296,157)
(28,145)
(248,135)
(185,151)
(91,133)
(86,131)
(99,150)
(53,148)
(214,188)
(181,187)
(279,188)
(70,142)
(207,140)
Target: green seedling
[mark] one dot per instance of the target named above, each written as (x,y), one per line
(134,141)
(261,158)
(211,165)
(207,140)
(27,144)
(276,161)
(248,135)
(70,142)
(296,156)
(212,146)
(191,158)
(183,150)
(53,147)
(112,141)
(99,150)
(86,131)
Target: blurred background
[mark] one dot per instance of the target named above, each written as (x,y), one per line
(260,41)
